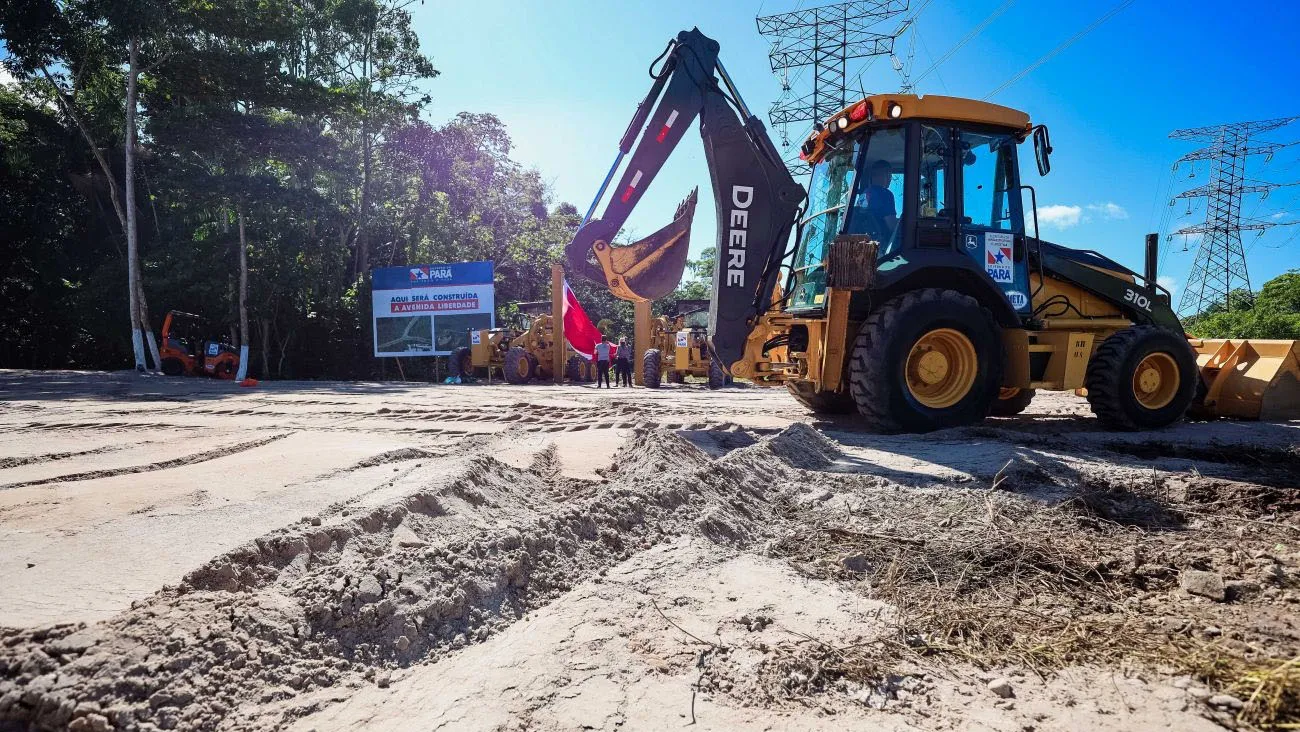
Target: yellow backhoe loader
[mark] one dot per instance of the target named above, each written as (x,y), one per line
(680,348)
(914,291)
(521,354)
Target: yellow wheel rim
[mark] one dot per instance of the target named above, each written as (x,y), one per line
(941,368)
(1156,380)
(521,367)
(1007,392)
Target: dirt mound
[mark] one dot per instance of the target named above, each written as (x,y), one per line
(448,554)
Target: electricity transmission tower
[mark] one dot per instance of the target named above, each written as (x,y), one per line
(1219,270)
(826,38)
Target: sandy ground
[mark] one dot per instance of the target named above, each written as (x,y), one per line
(181,553)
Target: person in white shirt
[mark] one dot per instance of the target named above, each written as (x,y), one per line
(602,362)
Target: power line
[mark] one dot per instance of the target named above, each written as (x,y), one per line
(823,39)
(997,12)
(1219,270)
(1066,44)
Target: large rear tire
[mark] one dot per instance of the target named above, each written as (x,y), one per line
(1011,402)
(926,360)
(173,367)
(1142,377)
(717,377)
(573,369)
(823,402)
(519,367)
(651,368)
(461,363)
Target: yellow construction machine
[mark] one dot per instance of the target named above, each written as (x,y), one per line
(680,348)
(521,354)
(914,291)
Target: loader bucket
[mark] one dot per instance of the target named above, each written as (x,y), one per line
(1249,379)
(652,267)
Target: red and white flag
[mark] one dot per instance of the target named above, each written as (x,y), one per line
(579,331)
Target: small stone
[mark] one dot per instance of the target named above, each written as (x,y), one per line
(315,520)
(1225,700)
(1002,687)
(90,723)
(369,589)
(1182,682)
(382,680)
(1213,631)
(1205,584)
(402,643)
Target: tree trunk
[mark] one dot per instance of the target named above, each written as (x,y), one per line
(132,253)
(147,324)
(243,299)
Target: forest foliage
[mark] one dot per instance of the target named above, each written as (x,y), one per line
(309,116)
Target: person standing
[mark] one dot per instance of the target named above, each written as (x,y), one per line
(602,362)
(623,363)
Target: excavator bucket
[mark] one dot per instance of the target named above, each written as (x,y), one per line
(1249,379)
(648,269)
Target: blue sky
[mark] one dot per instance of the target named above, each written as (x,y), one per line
(565,76)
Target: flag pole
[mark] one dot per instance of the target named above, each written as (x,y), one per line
(640,339)
(560,347)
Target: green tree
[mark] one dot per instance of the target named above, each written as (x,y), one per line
(1273,312)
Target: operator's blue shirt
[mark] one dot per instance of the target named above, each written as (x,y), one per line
(877,200)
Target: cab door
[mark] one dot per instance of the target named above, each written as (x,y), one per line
(992,229)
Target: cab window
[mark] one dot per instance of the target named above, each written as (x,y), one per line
(828,196)
(933,202)
(988,166)
(878,202)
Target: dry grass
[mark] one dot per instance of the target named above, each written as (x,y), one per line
(1000,580)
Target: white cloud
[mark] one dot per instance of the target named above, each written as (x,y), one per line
(6,78)
(1060,217)
(1109,211)
(1280,215)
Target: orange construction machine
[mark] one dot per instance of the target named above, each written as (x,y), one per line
(187,350)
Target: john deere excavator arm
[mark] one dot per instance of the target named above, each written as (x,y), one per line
(757,199)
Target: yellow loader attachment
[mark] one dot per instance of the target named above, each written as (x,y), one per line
(650,268)
(1249,379)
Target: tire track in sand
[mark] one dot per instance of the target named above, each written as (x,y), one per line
(200,457)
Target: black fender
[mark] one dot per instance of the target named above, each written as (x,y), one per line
(946,269)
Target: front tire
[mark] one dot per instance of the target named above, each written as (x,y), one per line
(461,363)
(519,366)
(1011,402)
(1142,377)
(822,402)
(651,368)
(717,377)
(926,360)
(573,369)
(173,367)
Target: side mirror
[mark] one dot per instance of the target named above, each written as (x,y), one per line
(1042,150)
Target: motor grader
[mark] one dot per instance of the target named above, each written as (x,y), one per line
(680,347)
(913,290)
(520,354)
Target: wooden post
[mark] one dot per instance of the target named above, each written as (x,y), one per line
(560,347)
(640,338)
